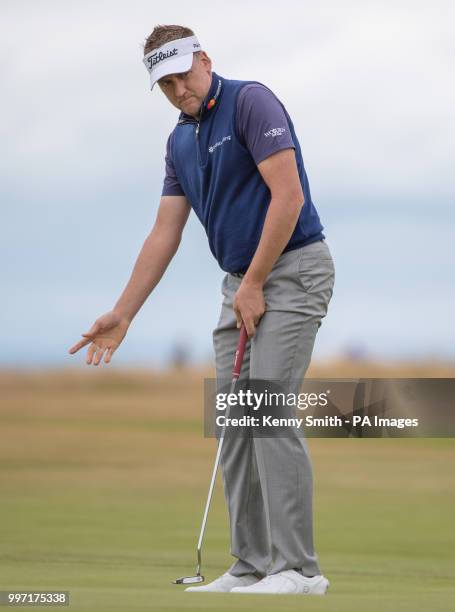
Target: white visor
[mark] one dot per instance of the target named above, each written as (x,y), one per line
(173,57)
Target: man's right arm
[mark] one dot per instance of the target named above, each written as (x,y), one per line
(159,248)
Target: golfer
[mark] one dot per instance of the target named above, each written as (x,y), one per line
(235,159)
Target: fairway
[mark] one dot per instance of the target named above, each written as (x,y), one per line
(103,481)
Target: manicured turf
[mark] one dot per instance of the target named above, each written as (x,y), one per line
(97,500)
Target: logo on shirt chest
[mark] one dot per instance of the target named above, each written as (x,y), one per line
(219,143)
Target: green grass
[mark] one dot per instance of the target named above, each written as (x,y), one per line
(112,514)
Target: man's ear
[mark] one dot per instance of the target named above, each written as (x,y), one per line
(206,61)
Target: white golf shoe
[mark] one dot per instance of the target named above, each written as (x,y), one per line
(288,582)
(225,583)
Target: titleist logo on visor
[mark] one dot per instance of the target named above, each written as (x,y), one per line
(167,52)
(157,57)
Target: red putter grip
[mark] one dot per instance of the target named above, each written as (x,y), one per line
(238,359)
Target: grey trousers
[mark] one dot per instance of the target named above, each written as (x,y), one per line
(268,482)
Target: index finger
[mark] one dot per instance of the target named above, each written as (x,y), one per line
(79,345)
(250,327)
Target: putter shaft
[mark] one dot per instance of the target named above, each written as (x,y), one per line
(238,360)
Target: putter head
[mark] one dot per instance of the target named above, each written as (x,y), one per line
(189,579)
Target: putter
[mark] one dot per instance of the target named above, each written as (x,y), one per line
(238,359)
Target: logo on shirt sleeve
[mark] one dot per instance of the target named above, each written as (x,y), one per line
(275,132)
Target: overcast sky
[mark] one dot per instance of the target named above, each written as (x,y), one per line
(370,88)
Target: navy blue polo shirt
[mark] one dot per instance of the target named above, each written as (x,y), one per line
(213,162)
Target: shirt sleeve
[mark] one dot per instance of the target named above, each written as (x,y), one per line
(261,122)
(171,185)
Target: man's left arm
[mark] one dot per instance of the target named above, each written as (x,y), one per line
(280,173)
